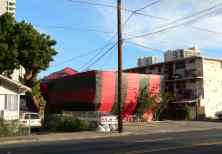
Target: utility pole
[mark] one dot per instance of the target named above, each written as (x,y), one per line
(120,42)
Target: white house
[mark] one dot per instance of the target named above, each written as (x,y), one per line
(10,92)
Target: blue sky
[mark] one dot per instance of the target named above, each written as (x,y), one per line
(72,25)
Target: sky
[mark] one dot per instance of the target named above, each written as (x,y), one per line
(80,29)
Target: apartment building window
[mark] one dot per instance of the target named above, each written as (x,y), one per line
(11,3)
(11,102)
(181,85)
(11,8)
(180,65)
(191,61)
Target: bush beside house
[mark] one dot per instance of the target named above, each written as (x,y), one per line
(11,128)
(64,123)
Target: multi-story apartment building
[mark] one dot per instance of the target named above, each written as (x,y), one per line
(181,53)
(194,80)
(147,61)
(8,6)
(16,74)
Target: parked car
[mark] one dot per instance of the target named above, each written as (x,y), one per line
(29,119)
(219,115)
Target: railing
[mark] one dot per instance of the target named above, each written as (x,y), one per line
(186,94)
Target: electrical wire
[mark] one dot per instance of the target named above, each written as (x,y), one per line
(140,9)
(170,26)
(100,57)
(112,6)
(126,21)
(75,28)
(143,46)
(77,57)
(99,52)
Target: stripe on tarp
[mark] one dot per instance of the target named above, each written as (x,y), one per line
(107,100)
(98,90)
(153,89)
(154,85)
(130,101)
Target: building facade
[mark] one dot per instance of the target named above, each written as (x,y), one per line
(171,55)
(16,75)
(147,61)
(194,80)
(8,6)
(10,92)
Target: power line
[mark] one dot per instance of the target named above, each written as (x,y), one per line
(149,5)
(99,52)
(137,12)
(165,28)
(100,57)
(91,29)
(112,6)
(207,30)
(127,20)
(76,57)
(74,28)
(140,9)
(134,12)
(143,46)
(101,49)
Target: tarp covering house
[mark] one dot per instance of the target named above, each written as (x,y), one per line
(97,91)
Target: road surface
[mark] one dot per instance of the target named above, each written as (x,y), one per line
(201,142)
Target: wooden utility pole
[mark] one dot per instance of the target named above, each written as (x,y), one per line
(119,25)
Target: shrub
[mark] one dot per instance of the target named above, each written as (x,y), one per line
(64,123)
(11,128)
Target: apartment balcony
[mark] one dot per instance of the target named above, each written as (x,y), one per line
(192,73)
(186,95)
(184,75)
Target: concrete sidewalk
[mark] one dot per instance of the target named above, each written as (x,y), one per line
(138,128)
(170,126)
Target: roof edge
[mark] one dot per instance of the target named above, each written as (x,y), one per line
(19,85)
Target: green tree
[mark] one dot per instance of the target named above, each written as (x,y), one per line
(35,50)
(157,103)
(8,45)
(165,99)
(22,45)
(145,102)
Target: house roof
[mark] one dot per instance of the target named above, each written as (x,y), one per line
(17,84)
(60,74)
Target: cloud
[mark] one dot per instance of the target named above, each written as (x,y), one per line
(180,37)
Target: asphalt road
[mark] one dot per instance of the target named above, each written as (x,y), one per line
(201,142)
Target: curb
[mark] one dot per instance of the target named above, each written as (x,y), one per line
(33,139)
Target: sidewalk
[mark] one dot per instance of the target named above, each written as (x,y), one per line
(129,129)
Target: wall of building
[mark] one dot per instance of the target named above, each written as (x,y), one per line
(212,101)
(172,55)
(3,6)
(18,73)
(8,6)
(4,113)
(147,61)
(4,90)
